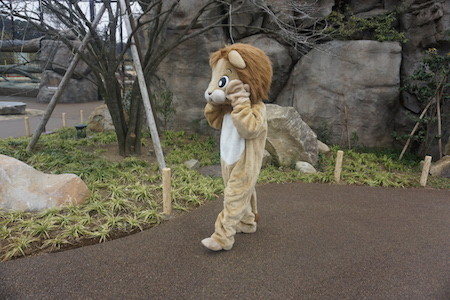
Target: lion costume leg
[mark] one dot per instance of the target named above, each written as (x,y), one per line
(237,214)
(249,220)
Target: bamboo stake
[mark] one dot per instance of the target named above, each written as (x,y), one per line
(64,119)
(438,95)
(414,129)
(338,168)
(27,126)
(81,116)
(425,171)
(143,87)
(167,191)
(63,83)
(439,122)
(346,126)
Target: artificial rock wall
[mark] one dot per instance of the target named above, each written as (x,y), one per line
(346,91)
(55,57)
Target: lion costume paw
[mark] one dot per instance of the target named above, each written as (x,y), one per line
(211,244)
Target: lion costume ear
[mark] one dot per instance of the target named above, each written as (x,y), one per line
(236,59)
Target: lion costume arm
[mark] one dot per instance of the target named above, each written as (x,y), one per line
(249,119)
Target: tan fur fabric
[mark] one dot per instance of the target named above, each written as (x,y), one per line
(248,119)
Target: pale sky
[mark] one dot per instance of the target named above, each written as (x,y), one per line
(33,7)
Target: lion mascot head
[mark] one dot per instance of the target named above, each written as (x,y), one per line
(243,62)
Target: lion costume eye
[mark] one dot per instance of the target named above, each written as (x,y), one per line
(223,81)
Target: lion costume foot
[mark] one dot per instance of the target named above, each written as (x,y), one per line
(245,228)
(211,244)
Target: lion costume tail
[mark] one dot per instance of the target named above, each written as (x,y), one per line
(255,209)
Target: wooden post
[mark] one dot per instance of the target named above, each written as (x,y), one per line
(64,120)
(63,83)
(425,171)
(27,126)
(143,86)
(167,191)
(81,116)
(338,168)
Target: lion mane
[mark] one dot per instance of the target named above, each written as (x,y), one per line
(257,72)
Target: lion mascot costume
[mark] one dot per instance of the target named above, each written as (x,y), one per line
(241,78)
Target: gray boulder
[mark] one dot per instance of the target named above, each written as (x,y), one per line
(323,148)
(56,56)
(26,189)
(350,87)
(186,10)
(186,73)
(249,18)
(284,11)
(12,108)
(372,7)
(100,119)
(192,164)
(447,147)
(441,168)
(76,91)
(425,24)
(304,167)
(289,139)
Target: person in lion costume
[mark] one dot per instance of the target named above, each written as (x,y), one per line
(241,78)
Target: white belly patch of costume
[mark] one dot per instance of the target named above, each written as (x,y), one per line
(231,143)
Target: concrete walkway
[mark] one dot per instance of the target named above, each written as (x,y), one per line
(14,125)
(314,241)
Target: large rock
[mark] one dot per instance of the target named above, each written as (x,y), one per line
(249,18)
(349,87)
(289,139)
(441,168)
(280,58)
(56,56)
(26,189)
(100,119)
(186,10)
(372,7)
(186,73)
(447,147)
(426,24)
(12,108)
(76,91)
(304,167)
(284,10)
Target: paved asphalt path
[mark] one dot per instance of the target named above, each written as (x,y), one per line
(314,241)
(14,126)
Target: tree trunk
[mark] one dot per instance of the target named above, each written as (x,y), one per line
(113,100)
(132,143)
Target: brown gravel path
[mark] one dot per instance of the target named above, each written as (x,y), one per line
(314,242)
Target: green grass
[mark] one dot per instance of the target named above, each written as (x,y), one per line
(126,195)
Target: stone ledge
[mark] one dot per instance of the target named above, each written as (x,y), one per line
(12,108)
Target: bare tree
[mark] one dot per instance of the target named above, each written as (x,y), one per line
(296,24)
(301,25)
